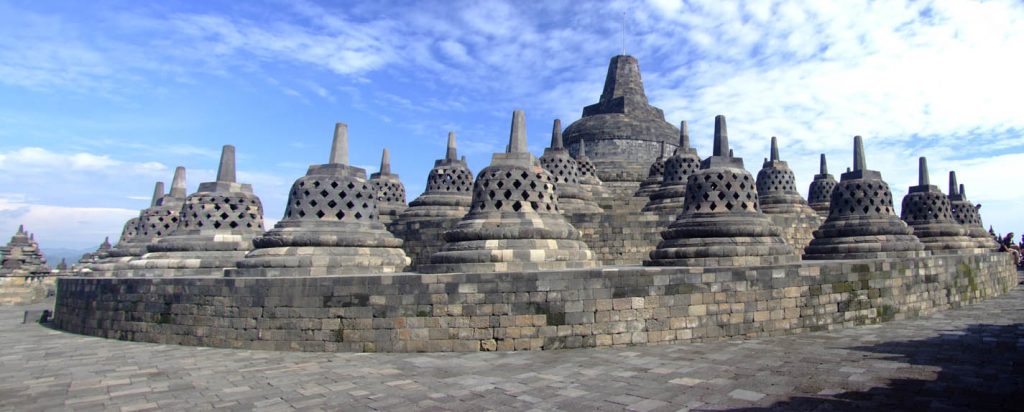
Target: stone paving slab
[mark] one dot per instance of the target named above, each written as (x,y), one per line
(970,358)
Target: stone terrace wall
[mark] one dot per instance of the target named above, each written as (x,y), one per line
(514,311)
(25,289)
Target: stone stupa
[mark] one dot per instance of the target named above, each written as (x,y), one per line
(928,211)
(861,221)
(563,168)
(669,198)
(778,198)
(623,130)
(965,213)
(216,227)
(330,226)
(721,223)
(390,190)
(588,175)
(21,255)
(515,222)
(819,194)
(654,176)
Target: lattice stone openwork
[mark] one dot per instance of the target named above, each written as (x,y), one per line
(821,191)
(450,179)
(130,231)
(212,210)
(514,189)
(721,192)
(563,169)
(775,180)
(157,222)
(389,191)
(587,169)
(323,198)
(926,207)
(868,197)
(679,168)
(965,213)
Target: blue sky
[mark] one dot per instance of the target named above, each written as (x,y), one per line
(100,99)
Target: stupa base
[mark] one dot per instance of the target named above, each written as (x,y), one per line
(319,261)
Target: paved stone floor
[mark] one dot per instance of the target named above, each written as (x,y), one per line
(969,358)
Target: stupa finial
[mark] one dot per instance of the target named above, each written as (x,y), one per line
(952,183)
(452,153)
(859,162)
(823,167)
(517,136)
(661,154)
(922,171)
(226,171)
(178,189)
(21,228)
(775,149)
(556,134)
(583,149)
(684,135)
(339,148)
(721,147)
(385,162)
(962,192)
(158,192)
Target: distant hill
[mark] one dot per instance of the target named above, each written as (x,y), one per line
(54,255)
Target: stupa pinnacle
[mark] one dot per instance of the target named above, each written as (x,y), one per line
(820,191)
(928,211)
(622,130)
(565,171)
(965,213)
(390,190)
(668,199)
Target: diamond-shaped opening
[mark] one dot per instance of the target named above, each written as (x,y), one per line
(353,186)
(534,205)
(334,185)
(350,204)
(216,225)
(340,215)
(320,214)
(498,204)
(517,205)
(233,224)
(500,184)
(728,205)
(508,194)
(721,195)
(736,196)
(358,215)
(324,193)
(223,216)
(713,206)
(313,202)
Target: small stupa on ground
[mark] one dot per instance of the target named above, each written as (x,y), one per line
(330,226)
(216,227)
(565,171)
(861,221)
(588,175)
(928,211)
(21,255)
(623,130)
(819,194)
(515,222)
(654,176)
(669,198)
(721,223)
(966,213)
(162,217)
(446,200)
(778,198)
(390,191)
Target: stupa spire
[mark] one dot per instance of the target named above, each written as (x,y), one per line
(339,148)
(623,79)
(859,162)
(922,171)
(556,134)
(385,162)
(684,135)
(226,170)
(962,192)
(452,153)
(721,147)
(178,189)
(661,153)
(952,184)
(21,229)
(158,192)
(823,167)
(517,136)
(583,149)
(775,149)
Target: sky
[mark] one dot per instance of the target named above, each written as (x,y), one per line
(100,99)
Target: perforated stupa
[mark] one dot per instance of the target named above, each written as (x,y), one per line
(654,176)
(588,175)
(330,226)
(449,190)
(515,222)
(861,221)
(721,223)
(928,211)
(778,198)
(819,194)
(572,198)
(216,227)
(669,197)
(390,190)
(966,213)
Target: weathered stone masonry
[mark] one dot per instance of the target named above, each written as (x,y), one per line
(533,310)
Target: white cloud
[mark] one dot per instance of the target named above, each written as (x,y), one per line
(33,160)
(61,226)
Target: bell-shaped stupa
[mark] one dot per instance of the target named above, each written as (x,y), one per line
(330,226)
(861,221)
(566,173)
(390,190)
(721,223)
(965,213)
(819,194)
(515,222)
(928,211)
(21,255)
(588,174)
(449,190)
(623,130)
(669,198)
(654,176)
(216,227)
(778,198)
(161,218)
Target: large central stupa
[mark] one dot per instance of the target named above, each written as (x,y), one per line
(623,131)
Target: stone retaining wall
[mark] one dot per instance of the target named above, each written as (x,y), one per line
(513,311)
(25,289)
